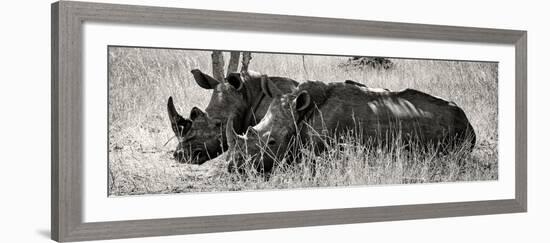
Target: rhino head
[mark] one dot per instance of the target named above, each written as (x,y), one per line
(195,135)
(228,96)
(201,137)
(271,140)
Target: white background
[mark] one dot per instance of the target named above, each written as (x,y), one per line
(25,122)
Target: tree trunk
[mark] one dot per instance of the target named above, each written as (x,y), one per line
(233,62)
(218,65)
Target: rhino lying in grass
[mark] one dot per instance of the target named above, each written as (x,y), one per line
(240,96)
(317,113)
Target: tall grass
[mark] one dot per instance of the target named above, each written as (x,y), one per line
(141,80)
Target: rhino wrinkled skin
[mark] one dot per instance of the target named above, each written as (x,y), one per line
(317,110)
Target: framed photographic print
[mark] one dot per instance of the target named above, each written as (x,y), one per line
(178,121)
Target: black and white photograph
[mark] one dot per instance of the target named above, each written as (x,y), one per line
(275,121)
(183,120)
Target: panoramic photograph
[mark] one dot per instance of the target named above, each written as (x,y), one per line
(190,121)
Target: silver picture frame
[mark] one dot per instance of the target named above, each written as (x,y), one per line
(67,119)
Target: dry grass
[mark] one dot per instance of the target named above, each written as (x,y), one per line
(141,80)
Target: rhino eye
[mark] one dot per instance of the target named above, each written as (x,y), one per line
(271,142)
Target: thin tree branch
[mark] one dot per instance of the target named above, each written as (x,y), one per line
(304,66)
(247,56)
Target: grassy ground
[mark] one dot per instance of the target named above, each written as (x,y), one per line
(141,80)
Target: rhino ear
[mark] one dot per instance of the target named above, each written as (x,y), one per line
(302,101)
(235,80)
(204,80)
(268,88)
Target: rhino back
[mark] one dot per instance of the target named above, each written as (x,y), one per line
(409,113)
(284,84)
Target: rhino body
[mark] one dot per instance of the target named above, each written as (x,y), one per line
(239,96)
(318,112)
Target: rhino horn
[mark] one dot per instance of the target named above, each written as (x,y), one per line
(230,133)
(172,112)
